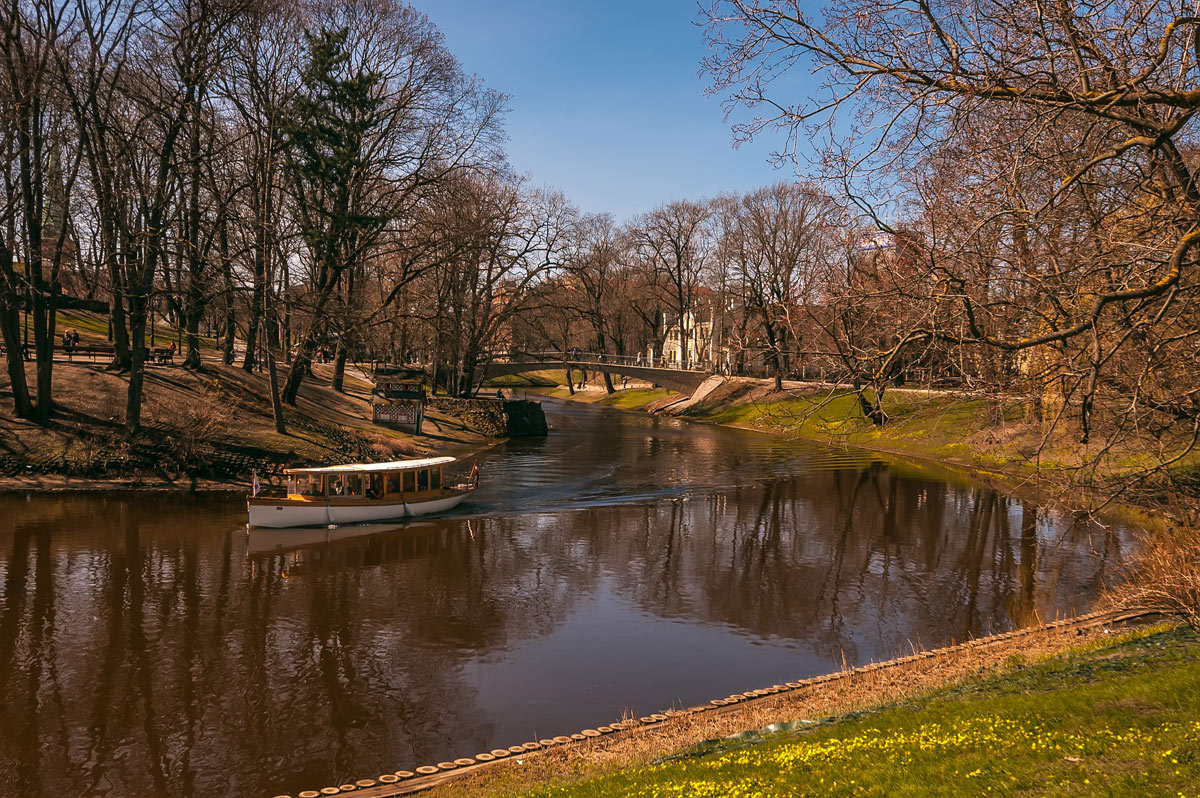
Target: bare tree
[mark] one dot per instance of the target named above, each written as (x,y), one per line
(779,240)
(395,108)
(673,243)
(1077,126)
(43,164)
(595,263)
(513,238)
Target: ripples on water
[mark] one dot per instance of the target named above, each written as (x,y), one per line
(150,646)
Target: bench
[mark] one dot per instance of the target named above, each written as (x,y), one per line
(160,354)
(91,350)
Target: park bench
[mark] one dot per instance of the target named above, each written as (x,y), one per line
(160,354)
(91,350)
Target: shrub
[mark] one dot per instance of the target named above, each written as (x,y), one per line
(1166,578)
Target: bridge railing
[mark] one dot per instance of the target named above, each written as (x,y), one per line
(604,358)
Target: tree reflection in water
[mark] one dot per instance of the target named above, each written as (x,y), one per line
(149,646)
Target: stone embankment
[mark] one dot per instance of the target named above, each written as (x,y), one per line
(495,418)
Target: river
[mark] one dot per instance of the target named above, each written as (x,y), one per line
(149,645)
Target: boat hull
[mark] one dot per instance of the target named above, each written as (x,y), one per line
(275,513)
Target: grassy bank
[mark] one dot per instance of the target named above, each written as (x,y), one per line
(625,399)
(545,378)
(205,429)
(1114,718)
(1073,711)
(997,435)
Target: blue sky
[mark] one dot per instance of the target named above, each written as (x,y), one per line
(606,102)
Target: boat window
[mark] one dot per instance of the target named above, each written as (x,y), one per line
(410,481)
(308,485)
(354,484)
(435,478)
(337,485)
(423,479)
(374,486)
(393,483)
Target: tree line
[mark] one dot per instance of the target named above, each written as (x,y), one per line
(1041,159)
(248,169)
(304,179)
(1004,200)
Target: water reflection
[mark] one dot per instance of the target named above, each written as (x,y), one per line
(151,646)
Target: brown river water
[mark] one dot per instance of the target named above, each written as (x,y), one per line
(152,646)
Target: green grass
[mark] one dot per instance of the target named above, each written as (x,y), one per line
(1117,720)
(93,328)
(939,427)
(635,398)
(544,378)
(624,398)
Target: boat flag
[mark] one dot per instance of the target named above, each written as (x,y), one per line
(475,473)
(254,486)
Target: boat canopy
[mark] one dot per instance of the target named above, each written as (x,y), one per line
(355,468)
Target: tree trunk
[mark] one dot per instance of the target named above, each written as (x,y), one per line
(276,403)
(273,373)
(252,325)
(873,411)
(45,318)
(137,369)
(10,326)
(776,357)
(300,364)
(192,361)
(230,304)
(608,383)
(122,356)
(339,365)
(287,312)
(193,307)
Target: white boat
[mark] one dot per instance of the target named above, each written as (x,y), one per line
(360,492)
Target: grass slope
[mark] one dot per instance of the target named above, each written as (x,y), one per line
(625,398)
(545,378)
(1121,719)
(215,424)
(1000,434)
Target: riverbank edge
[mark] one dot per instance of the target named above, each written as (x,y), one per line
(636,742)
(320,413)
(135,486)
(1043,483)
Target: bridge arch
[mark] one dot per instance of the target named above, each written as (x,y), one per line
(681,380)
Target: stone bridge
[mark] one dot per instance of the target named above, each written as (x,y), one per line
(667,375)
